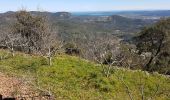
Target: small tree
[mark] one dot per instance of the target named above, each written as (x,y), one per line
(50,40)
(103,50)
(31,28)
(10,40)
(51,46)
(37,34)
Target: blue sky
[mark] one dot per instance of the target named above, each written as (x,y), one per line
(83,5)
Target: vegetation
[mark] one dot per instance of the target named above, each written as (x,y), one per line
(156,40)
(73,78)
(105,74)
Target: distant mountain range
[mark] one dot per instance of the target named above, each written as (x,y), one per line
(125,23)
(131,14)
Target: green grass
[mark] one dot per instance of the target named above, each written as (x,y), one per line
(72,78)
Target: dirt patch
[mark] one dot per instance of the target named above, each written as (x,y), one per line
(14,87)
(20,89)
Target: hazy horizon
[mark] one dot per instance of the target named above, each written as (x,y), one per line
(84,6)
(116,11)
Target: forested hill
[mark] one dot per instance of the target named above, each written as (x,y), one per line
(68,24)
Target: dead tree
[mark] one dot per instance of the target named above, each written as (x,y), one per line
(103,50)
(10,40)
(51,47)
(50,41)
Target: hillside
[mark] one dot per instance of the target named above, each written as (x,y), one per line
(73,78)
(68,24)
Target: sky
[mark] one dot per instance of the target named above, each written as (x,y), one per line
(83,5)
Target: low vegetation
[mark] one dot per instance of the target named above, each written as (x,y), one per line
(73,78)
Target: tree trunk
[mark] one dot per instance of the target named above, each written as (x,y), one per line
(49,61)
(49,57)
(108,71)
(12,51)
(29,50)
(147,66)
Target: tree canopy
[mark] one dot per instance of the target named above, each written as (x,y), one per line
(156,40)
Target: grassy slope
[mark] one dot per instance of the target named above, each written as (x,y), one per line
(74,78)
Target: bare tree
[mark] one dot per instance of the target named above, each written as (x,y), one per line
(51,43)
(50,46)
(103,50)
(129,57)
(10,40)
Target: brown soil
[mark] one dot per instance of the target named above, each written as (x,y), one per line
(14,87)
(20,89)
